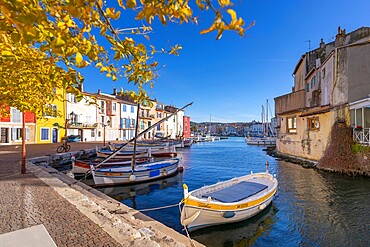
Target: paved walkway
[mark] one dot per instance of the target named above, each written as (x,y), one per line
(27,201)
(33,199)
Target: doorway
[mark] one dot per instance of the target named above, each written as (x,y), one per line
(4,135)
(55,135)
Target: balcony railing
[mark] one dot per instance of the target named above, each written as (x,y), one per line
(362,136)
(82,125)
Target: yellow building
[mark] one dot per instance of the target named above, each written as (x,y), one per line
(50,129)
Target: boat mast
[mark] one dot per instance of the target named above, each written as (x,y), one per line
(133,161)
(267,117)
(142,133)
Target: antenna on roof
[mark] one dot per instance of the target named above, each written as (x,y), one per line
(309,45)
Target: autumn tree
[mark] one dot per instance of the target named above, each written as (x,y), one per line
(44,43)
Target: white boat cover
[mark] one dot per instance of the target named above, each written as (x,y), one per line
(236,192)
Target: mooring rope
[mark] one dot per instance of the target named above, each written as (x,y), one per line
(158,208)
(186,229)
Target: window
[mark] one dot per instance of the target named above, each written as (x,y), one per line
(71,98)
(16,134)
(307,87)
(142,125)
(323,73)
(159,115)
(132,123)
(92,133)
(124,107)
(313,123)
(132,109)
(102,107)
(292,125)
(99,133)
(114,106)
(124,135)
(158,127)
(44,134)
(16,116)
(54,90)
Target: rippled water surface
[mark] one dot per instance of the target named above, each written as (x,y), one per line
(311,208)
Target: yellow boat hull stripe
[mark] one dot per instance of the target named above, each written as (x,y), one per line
(195,203)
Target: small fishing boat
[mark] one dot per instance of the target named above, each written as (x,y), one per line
(226,202)
(103,153)
(141,173)
(83,166)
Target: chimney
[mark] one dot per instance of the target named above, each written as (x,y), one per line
(322,43)
(114,91)
(99,91)
(81,87)
(339,38)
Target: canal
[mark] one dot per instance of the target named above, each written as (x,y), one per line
(312,208)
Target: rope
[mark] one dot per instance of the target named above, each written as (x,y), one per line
(163,207)
(186,229)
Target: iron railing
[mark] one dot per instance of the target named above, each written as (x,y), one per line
(362,136)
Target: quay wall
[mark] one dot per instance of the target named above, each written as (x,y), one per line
(127,226)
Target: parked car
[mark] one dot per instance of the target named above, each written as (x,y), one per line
(73,138)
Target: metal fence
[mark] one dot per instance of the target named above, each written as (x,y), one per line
(362,136)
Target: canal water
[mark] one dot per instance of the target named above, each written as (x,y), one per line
(312,208)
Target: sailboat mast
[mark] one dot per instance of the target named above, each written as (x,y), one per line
(267,117)
(133,161)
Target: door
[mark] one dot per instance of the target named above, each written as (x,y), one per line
(55,135)
(4,135)
(80,133)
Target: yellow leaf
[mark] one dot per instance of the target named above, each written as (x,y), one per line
(79,58)
(131,4)
(232,13)
(7,53)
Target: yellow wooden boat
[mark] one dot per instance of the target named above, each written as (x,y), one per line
(227,202)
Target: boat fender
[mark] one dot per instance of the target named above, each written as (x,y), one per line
(165,172)
(228,214)
(132,178)
(187,221)
(262,206)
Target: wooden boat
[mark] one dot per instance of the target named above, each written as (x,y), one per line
(226,202)
(155,151)
(83,166)
(140,173)
(101,153)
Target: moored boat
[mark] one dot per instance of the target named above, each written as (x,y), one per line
(140,173)
(83,166)
(261,141)
(226,202)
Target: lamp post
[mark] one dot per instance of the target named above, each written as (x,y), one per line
(105,125)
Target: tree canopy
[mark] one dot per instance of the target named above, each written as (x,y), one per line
(44,43)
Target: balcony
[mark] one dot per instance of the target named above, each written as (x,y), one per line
(362,136)
(82,125)
(290,102)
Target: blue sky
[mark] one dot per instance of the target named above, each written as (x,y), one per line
(230,79)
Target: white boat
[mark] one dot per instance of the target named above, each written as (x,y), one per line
(267,138)
(141,173)
(261,141)
(226,202)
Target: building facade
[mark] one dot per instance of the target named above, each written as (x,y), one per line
(329,82)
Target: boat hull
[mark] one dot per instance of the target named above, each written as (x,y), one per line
(260,141)
(199,213)
(141,173)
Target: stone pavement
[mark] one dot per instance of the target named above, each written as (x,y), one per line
(73,213)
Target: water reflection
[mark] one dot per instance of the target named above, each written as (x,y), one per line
(239,234)
(131,192)
(320,208)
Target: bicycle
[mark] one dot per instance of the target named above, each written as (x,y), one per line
(63,148)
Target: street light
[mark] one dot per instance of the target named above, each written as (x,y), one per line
(105,125)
